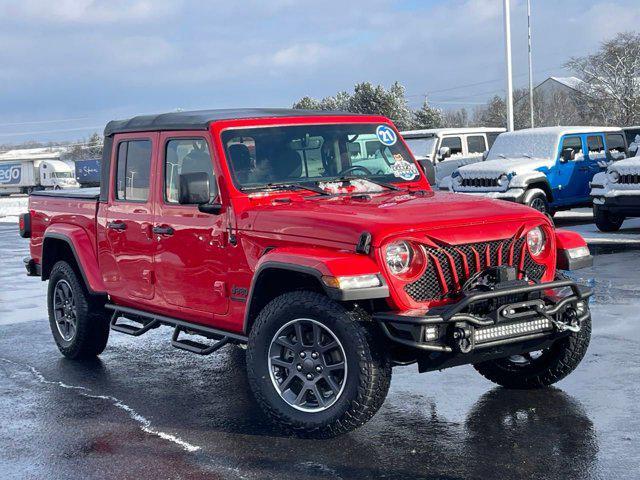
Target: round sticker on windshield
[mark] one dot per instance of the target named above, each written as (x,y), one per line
(386,135)
(405,170)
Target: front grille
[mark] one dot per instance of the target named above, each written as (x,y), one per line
(480,182)
(629,178)
(450,266)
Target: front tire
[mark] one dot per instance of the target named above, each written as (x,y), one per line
(78,321)
(315,368)
(607,221)
(537,199)
(528,371)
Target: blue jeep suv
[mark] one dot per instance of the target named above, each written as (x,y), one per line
(547,168)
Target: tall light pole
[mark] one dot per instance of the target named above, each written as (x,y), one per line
(530,62)
(507,45)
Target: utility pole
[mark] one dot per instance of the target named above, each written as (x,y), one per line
(530,62)
(507,42)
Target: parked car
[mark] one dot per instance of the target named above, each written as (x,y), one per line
(450,148)
(88,172)
(256,227)
(616,194)
(547,168)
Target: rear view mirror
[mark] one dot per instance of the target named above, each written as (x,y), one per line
(444,152)
(567,155)
(429,170)
(194,190)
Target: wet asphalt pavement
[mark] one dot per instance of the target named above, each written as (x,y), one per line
(145,410)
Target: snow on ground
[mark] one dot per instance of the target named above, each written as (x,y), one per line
(11,207)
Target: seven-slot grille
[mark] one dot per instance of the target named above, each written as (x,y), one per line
(479,182)
(629,178)
(450,266)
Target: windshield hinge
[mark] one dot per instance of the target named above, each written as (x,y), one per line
(364,244)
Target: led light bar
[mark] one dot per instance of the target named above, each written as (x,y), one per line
(519,329)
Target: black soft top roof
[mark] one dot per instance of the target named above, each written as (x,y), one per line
(201,119)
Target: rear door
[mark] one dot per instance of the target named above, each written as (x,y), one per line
(127,250)
(190,256)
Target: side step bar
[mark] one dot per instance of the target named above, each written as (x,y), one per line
(148,321)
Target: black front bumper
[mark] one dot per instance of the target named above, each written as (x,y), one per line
(626,205)
(483,322)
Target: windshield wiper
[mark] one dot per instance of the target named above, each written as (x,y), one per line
(286,186)
(375,182)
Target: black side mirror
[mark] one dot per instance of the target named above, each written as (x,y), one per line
(567,155)
(194,189)
(429,170)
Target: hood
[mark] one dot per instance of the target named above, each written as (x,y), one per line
(344,218)
(629,166)
(495,168)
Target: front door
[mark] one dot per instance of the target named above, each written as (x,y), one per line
(191,269)
(128,247)
(569,177)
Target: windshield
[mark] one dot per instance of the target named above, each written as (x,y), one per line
(316,154)
(518,145)
(61,175)
(422,147)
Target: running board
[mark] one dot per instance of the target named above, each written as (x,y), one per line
(196,347)
(148,321)
(132,330)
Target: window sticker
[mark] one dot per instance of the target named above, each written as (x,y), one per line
(405,170)
(386,135)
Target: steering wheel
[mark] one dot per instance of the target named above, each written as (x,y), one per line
(354,169)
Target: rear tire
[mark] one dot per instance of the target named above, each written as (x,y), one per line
(553,364)
(606,221)
(349,399)
(78,320)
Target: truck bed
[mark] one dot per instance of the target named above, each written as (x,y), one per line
(81,193)
(60,211)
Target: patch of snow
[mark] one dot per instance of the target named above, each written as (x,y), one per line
(12,207)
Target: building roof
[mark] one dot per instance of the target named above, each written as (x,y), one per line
(202,119)
(571,82)
(430,132)
(45,153)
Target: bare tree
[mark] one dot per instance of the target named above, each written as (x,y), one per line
(611,89)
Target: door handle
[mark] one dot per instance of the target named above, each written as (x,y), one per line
(163,230)
(117,226)
(584,169)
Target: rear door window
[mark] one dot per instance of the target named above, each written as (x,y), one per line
(454,143)
(133,169)
(476,144)
(491,137)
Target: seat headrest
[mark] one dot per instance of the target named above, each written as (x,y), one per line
(287,164)
(240,156)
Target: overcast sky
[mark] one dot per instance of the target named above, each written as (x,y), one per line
(68,66)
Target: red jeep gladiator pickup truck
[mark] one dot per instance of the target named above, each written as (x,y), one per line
(315,239)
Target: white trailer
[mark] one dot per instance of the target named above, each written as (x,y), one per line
(23,171)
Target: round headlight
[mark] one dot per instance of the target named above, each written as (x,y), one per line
(536,241)
(398,256)
(503,180)
(614,176)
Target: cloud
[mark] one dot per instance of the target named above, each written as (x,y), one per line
(88,11)
(98,57)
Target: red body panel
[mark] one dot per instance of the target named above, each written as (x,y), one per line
(192,274)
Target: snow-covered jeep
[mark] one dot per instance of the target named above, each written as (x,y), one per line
(450,148)
(616,194)
(548,168)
